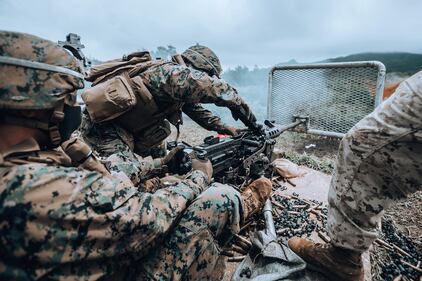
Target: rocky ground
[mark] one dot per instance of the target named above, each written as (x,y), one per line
(402,223)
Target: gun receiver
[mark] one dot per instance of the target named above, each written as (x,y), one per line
(245,156)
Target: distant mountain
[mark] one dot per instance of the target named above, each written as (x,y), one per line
(394,62)
(291,61)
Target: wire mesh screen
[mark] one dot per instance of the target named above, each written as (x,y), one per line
(335,96)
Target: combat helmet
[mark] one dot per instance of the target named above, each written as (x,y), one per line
(37,74)
(203,58)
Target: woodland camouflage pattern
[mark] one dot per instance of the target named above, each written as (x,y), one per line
(61,222)
(17,87)
(170,83)
(379,161)
(175,88)
(203,58)
(192,251)
(119,155)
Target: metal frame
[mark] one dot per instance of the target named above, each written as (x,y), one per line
(379,84)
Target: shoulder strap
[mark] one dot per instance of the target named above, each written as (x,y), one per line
(116,66)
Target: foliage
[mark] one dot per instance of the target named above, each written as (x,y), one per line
(252,85)
(164,52)
(394,62)
(243,76)
(324,165)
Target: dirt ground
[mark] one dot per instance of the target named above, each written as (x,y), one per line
(319,153)
(407,215)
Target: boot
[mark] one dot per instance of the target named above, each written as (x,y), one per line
(334,262)
(255,195)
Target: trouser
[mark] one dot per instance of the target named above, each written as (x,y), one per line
(379,161)
(192,249)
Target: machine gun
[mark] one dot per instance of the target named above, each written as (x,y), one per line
(235,159)
(73,44)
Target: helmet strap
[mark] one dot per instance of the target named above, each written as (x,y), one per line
(56,118)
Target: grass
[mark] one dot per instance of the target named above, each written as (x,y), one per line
(324,165)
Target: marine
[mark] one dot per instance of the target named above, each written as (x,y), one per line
(162,90)
(66,215)
(379,162)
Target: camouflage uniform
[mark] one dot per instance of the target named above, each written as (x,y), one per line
(176,89)
(59,221)
(119,155)
(379,161)
(64,222)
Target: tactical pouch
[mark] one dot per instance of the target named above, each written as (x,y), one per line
(152,136)
(141,115)
(144,95)
(110,99)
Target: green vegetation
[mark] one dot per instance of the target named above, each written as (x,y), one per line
(164,52)
(394,62)
(324,165)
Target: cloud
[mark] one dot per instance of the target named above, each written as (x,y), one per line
(242,32)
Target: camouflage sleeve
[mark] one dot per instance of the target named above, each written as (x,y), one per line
(135,167)
(61,216)
(205,118)
(176,82)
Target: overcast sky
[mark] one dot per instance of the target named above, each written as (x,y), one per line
(241,32)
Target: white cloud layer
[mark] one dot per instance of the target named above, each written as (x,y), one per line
(242,32)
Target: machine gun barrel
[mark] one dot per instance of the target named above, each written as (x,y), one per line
(276,130)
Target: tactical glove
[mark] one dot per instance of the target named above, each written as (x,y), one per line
(177,161)
(232,131)
(171,155)
(255,195)
(152,185)
(243,112)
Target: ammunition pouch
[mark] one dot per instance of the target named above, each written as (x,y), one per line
(110,99)
(151,136)
(116,87)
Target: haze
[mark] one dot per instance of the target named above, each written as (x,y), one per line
(242,32)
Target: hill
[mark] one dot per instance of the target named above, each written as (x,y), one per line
(394,62)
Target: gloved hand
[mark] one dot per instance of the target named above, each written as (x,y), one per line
(243,112)
(232,131)
(203,166)
(171,155)
(177,161)
(152,185)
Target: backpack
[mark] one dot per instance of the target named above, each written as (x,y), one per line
(117,87)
